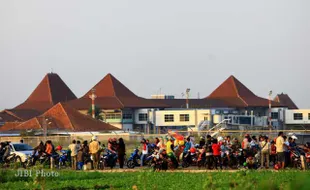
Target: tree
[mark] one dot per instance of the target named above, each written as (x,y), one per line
(98,112)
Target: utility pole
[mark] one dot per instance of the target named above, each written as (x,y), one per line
(93,97)
(45,120)
(187,97)
(269,111)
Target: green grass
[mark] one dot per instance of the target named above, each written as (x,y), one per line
(162,180)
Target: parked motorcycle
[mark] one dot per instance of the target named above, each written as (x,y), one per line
(108,159)
(298,159)
(190,159)
(63,159)
(134,159)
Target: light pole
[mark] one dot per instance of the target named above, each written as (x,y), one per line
(269,112)
(46,122)
(93,97)
(187,97)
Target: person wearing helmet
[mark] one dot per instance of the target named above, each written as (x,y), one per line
(292,143)
(94,148)
(59,148)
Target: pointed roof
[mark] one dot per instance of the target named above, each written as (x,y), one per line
(6,117)
(286,101)
(49,92)
(109,86)
(234,92)
(112,94)
(9,125)
(20,114)
(231,87)
(62,117)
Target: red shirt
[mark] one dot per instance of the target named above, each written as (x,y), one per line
(216,149)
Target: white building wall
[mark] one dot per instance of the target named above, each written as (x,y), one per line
(289,116)
(127,127)
(195,117)
(143,111)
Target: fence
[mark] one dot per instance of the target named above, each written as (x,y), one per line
(303,136)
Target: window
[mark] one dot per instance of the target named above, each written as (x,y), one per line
(274,115)
(142,116)
(127,116)
(308,116)
(169,118)
(113,116)
(184,117)
(206,118)
(298,116)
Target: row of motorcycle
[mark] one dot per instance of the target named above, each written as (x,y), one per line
(232,159)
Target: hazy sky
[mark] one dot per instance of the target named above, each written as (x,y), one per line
(148,45)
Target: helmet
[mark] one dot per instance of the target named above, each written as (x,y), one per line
(59,148)
(276,167)
(192,150)
(94,138)
(294,137)
(220,138)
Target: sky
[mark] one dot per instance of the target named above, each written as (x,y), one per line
(156,46)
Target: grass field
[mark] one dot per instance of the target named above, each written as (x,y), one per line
(162,180)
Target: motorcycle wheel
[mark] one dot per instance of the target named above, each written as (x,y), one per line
(201,164)
(131,164)
(101,165)
(185,164)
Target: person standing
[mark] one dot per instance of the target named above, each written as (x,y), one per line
(280,143)
(216,148)
(265,151)
(286,151)
(93,150)
(74,151)
(121,152)
(144,151)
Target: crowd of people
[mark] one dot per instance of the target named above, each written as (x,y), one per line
(174,150)
(251,152)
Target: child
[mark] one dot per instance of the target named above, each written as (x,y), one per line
(273,152)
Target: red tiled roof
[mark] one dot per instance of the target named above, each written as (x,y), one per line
(6,117)
(286,101)
(232,89)
(110,86)
(112,94)
(64,118)
(9,125)
(22,114)
(49,92)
